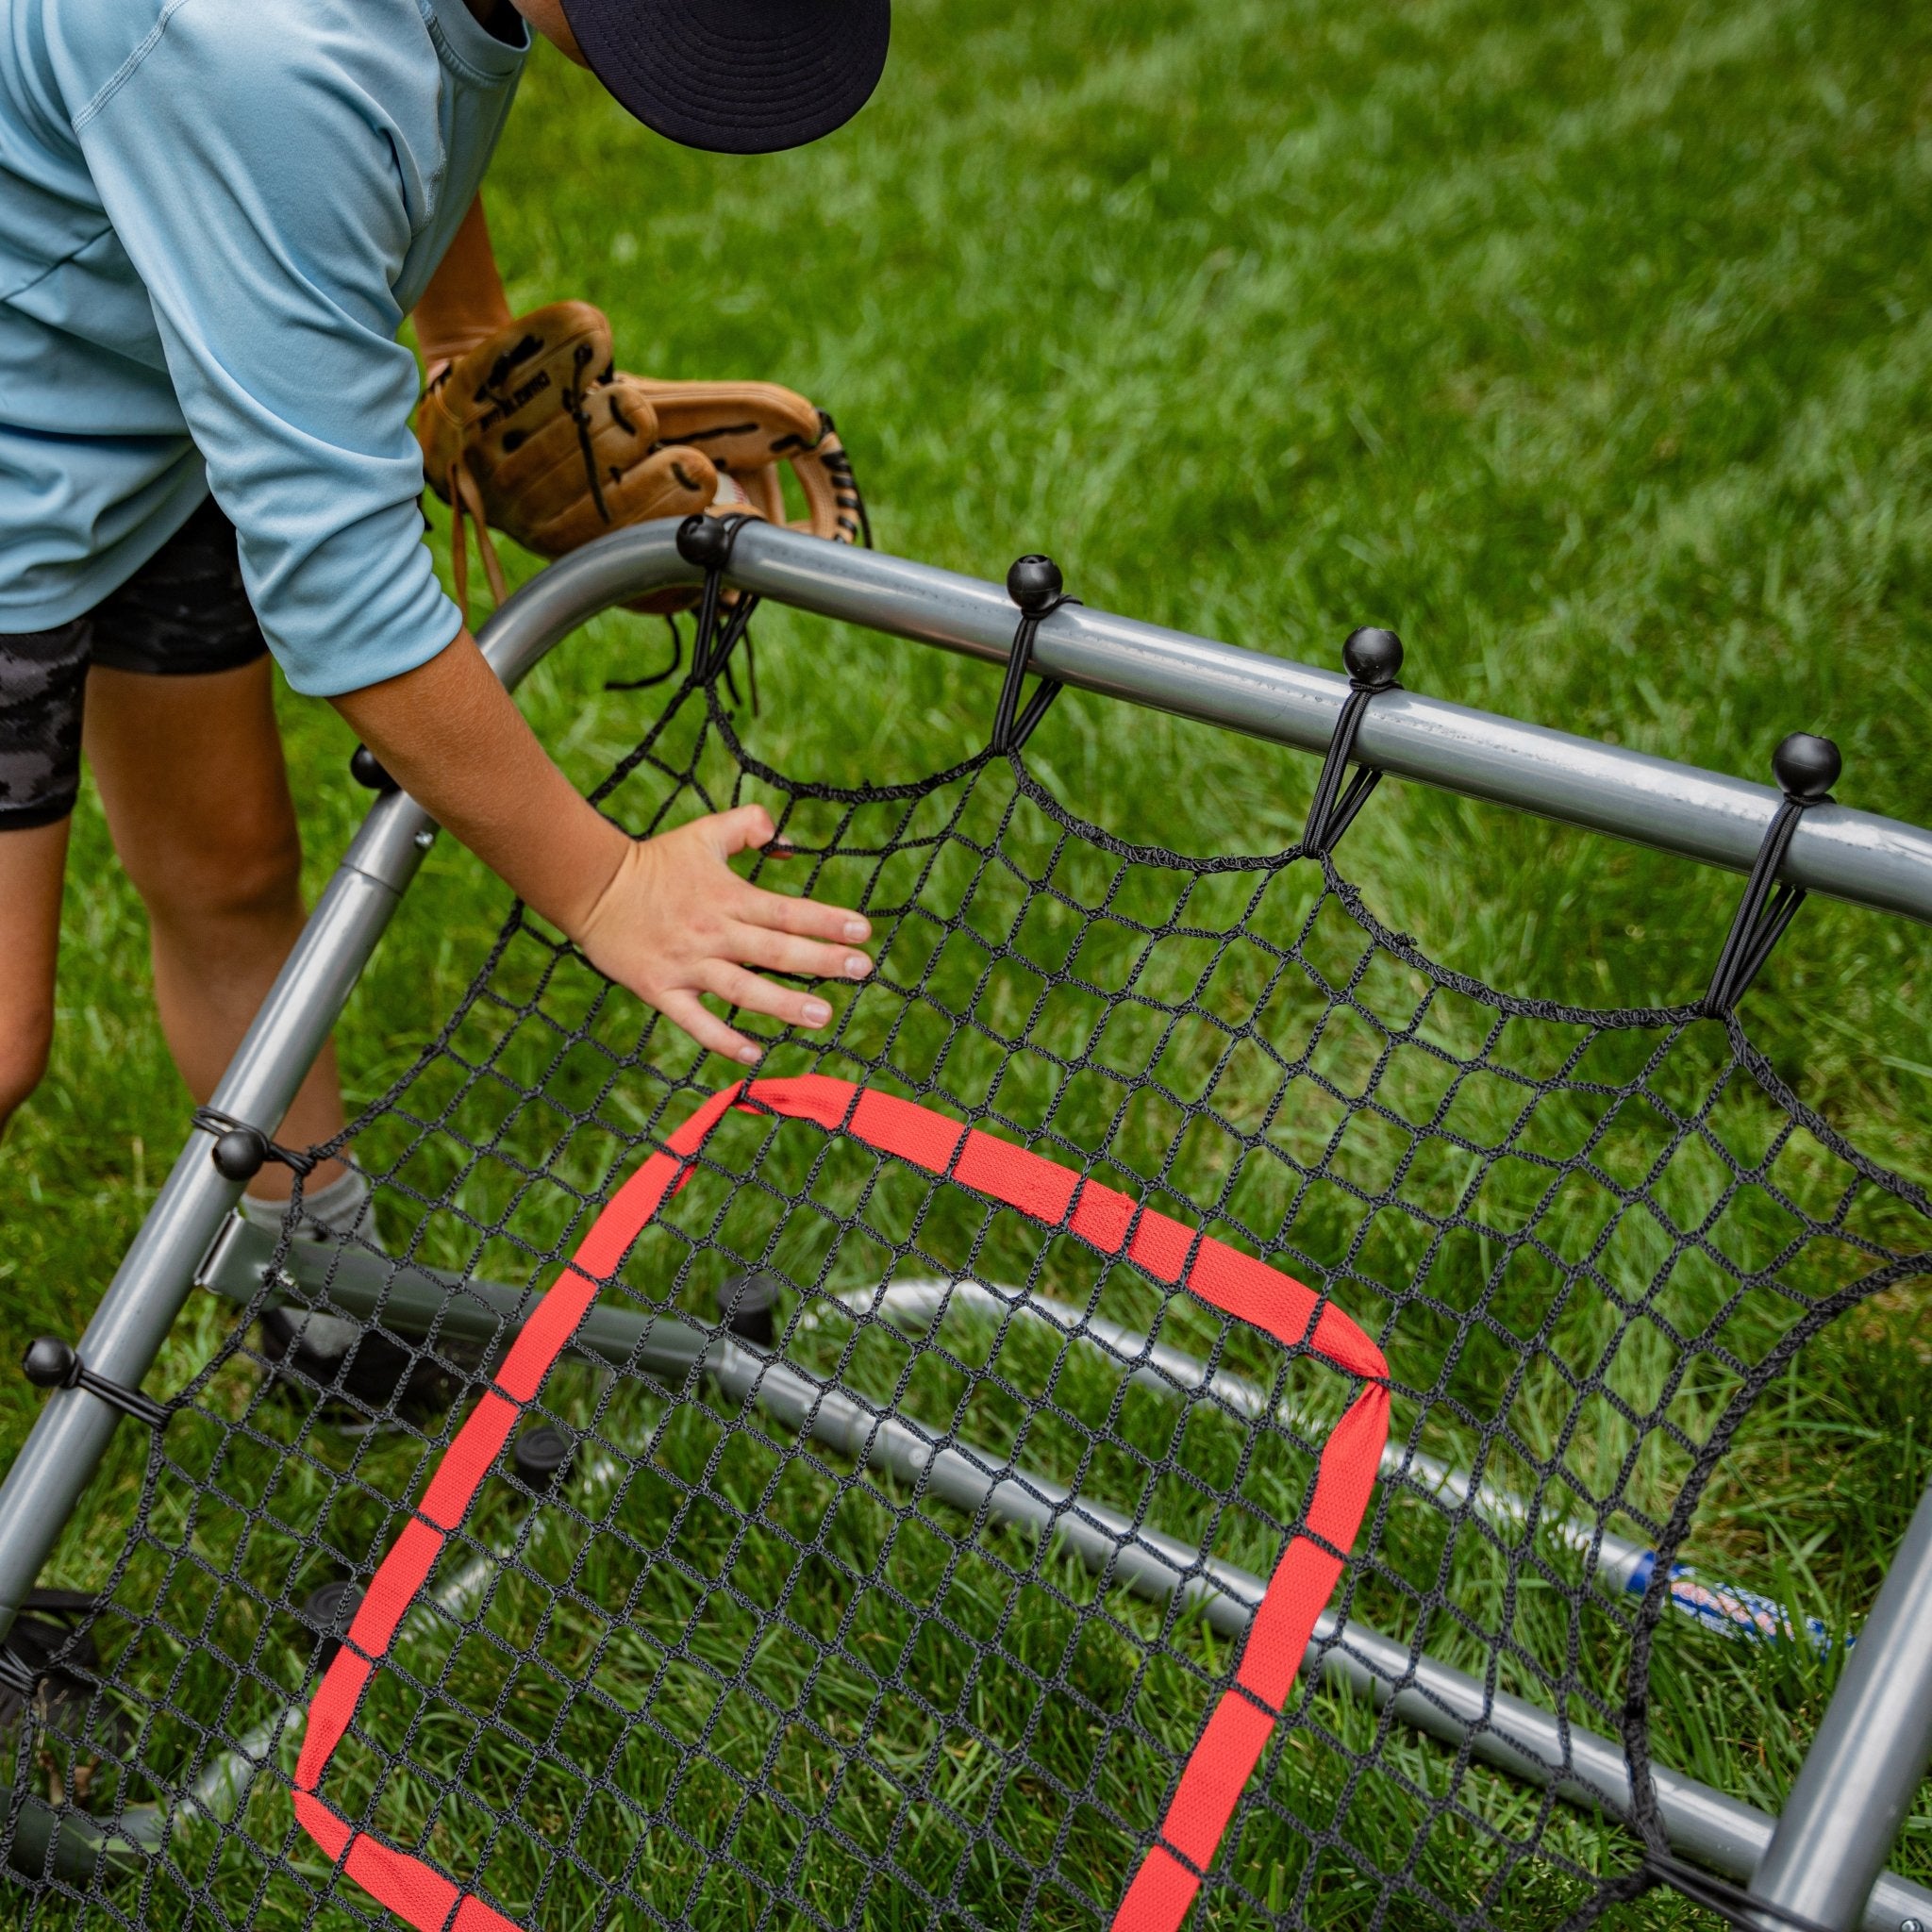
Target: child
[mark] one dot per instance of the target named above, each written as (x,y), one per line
(214,215)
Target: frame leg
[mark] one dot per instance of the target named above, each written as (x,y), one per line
(1860,1777)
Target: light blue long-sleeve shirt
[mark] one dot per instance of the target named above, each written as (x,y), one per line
(214,215)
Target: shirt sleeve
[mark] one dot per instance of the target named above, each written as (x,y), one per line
(262,192)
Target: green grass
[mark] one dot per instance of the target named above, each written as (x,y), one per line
(1587,347)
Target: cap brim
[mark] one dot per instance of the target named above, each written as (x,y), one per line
(737,77)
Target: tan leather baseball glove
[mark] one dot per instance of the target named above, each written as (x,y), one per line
(534,433)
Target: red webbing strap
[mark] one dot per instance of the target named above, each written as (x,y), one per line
(1236,1730)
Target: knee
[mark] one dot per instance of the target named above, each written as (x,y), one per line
(23,1046)
(225,873)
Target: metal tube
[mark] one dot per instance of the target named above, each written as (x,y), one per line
(1498,1730)
(1858,1778)
(421,1301)
(921,1304)
(418,1300)
(1504,1732)
(58,1458)
(57,1461)
(1618,1565)
(1857,856)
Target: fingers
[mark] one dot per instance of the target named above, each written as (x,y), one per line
(667,483)
(708,932)
(810,919)
(755,996)
(739,829)
(746,991)
(685,1009)
(784,951)
(749,826)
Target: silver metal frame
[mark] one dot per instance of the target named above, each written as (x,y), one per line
(1504,1732)
(1856,1783)
(1872,1750)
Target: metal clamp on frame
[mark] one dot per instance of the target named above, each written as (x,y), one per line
(1807,768)
(51,1363)
(240,1151)
(1035,584)
(1372,658)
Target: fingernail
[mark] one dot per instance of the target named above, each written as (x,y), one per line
(749,1054)
(856,966)
(816,1012)
(858,929)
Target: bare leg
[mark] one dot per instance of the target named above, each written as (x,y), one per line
(31,865)
(191,772)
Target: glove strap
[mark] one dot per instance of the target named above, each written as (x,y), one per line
(572,398)
(832,494)
(848,498)
(466,499)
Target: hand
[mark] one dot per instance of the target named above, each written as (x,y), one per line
(676,922)
(668,918)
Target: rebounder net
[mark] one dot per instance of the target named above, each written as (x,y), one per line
(1143,1417)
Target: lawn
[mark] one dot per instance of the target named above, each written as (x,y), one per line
(1589,348)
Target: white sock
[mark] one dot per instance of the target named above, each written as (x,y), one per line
(344,1207)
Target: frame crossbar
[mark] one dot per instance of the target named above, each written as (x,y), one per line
(1506,1732)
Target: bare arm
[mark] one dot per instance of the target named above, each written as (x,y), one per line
(667,917)
(464,303)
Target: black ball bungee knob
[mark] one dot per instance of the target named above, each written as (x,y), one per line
(1373,654)
(238,1154)
(329,1610)
(748,1304)
(50,1363)
(705,541)
(369,771)
(543,1457)
(1807,767)
(1034,582)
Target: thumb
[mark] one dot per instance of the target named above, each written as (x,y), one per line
(741,829)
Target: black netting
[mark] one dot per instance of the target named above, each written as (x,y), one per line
(892,1543)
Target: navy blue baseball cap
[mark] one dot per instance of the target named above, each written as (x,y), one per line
(736,76)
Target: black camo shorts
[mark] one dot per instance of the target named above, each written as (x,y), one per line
(182,612)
